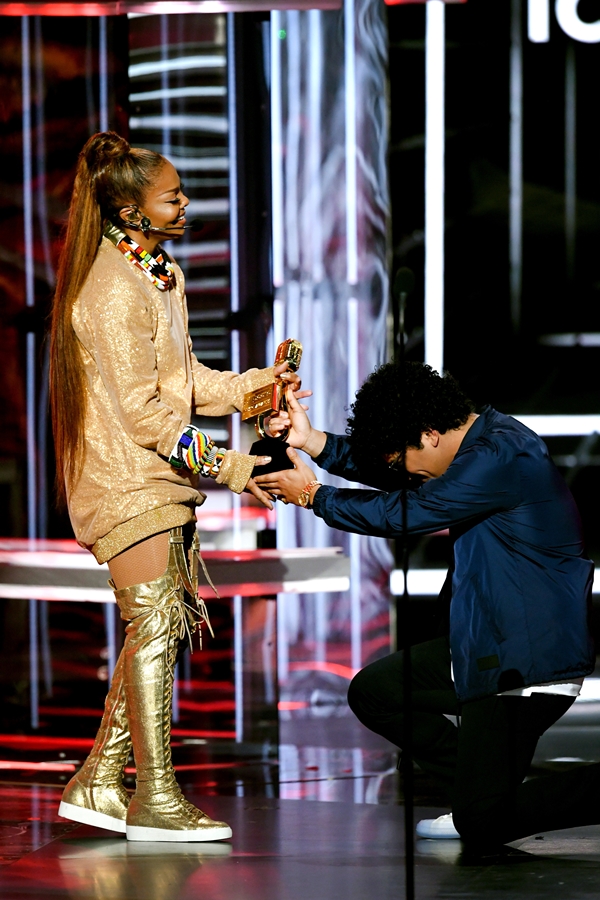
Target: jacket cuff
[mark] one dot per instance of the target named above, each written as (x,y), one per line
(325,455)
(319,504)
(236,470)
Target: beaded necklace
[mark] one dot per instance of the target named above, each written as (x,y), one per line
(159,269)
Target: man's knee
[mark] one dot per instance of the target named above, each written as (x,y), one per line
(376,690)
(358,694)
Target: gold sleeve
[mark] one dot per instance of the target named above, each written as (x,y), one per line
(119,327)
(235,471)
(221,393)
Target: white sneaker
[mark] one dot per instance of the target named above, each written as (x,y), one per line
(440,829)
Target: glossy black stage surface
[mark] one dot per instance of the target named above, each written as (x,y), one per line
(297,850)
(318,816)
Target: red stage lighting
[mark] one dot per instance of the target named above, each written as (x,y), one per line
(122,7)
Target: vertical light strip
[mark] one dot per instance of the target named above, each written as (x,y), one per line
(238,666)
(294,147)
(234,245)
(42,402)
(358,773)
(282,599)
(315,90)
(109,611)
(30,352)
(103,73)
(435,64)
(515,240)
(354,539)
(277,275)
(234,286)
(164,83)
(283,650)
(111,646)
(538,21)
(276,153)
(352,309)
(570,159)
(269,636)
(31,526)
(350,110)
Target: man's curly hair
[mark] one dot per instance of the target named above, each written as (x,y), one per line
(391,412)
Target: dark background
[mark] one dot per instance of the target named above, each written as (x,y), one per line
(495,362)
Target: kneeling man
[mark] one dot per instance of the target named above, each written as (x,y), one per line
(520,585)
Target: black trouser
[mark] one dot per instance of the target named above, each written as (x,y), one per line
(482,764)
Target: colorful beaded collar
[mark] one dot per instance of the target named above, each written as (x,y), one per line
(159,269)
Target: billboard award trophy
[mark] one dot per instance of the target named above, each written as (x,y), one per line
(266,402)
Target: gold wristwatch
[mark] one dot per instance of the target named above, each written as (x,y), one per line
(304,498)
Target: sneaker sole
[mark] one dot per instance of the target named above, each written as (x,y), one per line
(438,835)
(141,833)
(90,817)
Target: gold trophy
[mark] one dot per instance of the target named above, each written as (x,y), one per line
(267,401)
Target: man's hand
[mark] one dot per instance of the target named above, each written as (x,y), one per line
(292,379)
(302,435)
(253,488)
(288,484)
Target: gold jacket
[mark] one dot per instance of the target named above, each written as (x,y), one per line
(142,384)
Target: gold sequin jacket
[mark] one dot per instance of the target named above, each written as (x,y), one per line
(142,384)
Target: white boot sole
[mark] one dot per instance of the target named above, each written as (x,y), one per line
(424,829)
(90,817)
(141,833)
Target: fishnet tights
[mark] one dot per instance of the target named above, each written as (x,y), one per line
(141,563)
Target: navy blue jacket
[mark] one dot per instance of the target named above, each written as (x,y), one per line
(521,584)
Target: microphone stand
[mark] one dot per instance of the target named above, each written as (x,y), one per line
(403,285)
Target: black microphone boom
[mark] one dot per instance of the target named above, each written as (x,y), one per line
(403,285)
(195,225)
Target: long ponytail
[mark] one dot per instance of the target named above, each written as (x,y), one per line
(110,174)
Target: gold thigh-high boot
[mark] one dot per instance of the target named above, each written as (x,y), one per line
(159,615)
(95,795)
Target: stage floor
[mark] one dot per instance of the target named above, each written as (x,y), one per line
(297,850)
(318,817)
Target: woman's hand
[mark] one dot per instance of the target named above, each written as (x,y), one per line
(288,484)
(253,488)
(292,379)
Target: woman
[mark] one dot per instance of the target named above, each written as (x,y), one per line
(124,386)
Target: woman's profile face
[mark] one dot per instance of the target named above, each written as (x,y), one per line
(165,205)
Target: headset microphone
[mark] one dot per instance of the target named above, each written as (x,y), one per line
(144,224)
